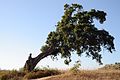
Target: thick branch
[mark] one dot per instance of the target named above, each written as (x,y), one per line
(32,62)
(43,55)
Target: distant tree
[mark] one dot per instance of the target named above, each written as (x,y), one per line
(117,63)
(75,33)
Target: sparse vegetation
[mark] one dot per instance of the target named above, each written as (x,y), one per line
(39,73)
(11,75)
(75,68)
(108,72)
(21,75)
(89,75)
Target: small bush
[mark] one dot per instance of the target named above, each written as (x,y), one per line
(41,73)
(76,67)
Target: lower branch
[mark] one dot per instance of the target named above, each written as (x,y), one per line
(32,62)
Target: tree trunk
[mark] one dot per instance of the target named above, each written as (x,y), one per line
(32,62)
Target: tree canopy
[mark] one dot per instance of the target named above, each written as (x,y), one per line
(77,33)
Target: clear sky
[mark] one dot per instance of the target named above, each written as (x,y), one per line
(25,24)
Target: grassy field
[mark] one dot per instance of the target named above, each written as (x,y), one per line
(89,75)
(68,75)
(108,72)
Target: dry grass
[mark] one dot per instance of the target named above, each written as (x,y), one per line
(21,75)
(68,75)
(11,75)
(89,75)
(41,73)
(111,72)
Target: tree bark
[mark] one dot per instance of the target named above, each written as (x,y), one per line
(32,62)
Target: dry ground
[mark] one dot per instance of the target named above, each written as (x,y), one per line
(88,75)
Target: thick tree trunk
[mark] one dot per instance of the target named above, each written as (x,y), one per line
(32,62)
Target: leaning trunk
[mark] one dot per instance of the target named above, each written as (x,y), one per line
(32,62)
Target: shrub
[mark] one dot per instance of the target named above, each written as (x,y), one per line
(41,73)
(76,67)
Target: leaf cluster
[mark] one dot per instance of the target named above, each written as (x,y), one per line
(76,33)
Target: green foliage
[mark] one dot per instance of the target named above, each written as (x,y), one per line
(77,33)
(75,68)
(44,48)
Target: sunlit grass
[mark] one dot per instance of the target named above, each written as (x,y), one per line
(89,75)
(108,72)
(11,75)
(21,75)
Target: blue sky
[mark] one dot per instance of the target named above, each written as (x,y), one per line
(25,24)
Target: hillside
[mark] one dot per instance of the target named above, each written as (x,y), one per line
(115,66)
(89,75)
